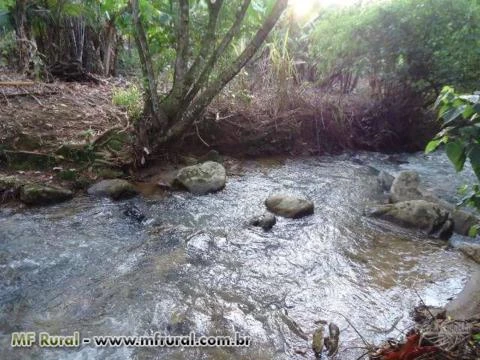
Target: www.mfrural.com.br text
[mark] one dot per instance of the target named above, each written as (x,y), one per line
(46,340)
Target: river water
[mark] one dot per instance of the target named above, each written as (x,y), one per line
(195,266)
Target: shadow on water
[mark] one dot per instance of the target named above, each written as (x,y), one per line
(193,265)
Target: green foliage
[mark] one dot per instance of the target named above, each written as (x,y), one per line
(130,99)
(421,44)
(460,116)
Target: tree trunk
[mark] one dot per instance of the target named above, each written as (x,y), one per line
(193,90)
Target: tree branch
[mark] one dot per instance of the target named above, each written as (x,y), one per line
(199,105)
(228,74)
(182,44)
(150,79)
(207,41)
(218,52)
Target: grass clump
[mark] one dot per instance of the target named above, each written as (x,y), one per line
(130,99)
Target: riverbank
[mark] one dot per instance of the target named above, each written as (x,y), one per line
(72,134)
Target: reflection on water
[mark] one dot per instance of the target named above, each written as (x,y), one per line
(194,265)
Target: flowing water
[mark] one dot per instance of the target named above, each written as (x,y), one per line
(195,266)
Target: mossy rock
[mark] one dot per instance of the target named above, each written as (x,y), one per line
(32,194)
(116,189)
(27,160)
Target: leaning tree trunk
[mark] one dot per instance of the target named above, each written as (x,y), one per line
(194,88)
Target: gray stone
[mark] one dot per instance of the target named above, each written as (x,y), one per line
(405,187)
(466,305)
(265,221)
(116,189)
(32,194)
(203,178)
(385,180)
(289,206)
(417,214)
(470,249)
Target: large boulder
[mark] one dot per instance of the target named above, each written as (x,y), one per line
(470,249)
(32,194)
(289,206)
(203,178)
(466,305)
(417,214)
(405,187)
(116,189)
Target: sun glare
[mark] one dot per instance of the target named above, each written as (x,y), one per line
(304,7)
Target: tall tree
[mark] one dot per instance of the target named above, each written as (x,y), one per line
(198,78)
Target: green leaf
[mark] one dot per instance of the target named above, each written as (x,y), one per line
(452,115)
(456,154)
(474,156)
(432,146)
(473,231)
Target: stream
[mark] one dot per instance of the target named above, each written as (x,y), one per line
(194,265)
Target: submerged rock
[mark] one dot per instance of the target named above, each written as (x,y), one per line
(265,221)
(116,189)
(202,179)
(385,180)
(32,194)
(333,339)
(134,213)
(418,214)
(289,206)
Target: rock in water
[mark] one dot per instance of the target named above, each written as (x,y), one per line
(405,187)
(265,221)
(203,178)
(289,206)
(334,336)
(116,189)
(32,194)
(318,342)
(417,214)
(385,180)
(134,212)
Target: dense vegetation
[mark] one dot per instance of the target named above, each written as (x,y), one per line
(372,71)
